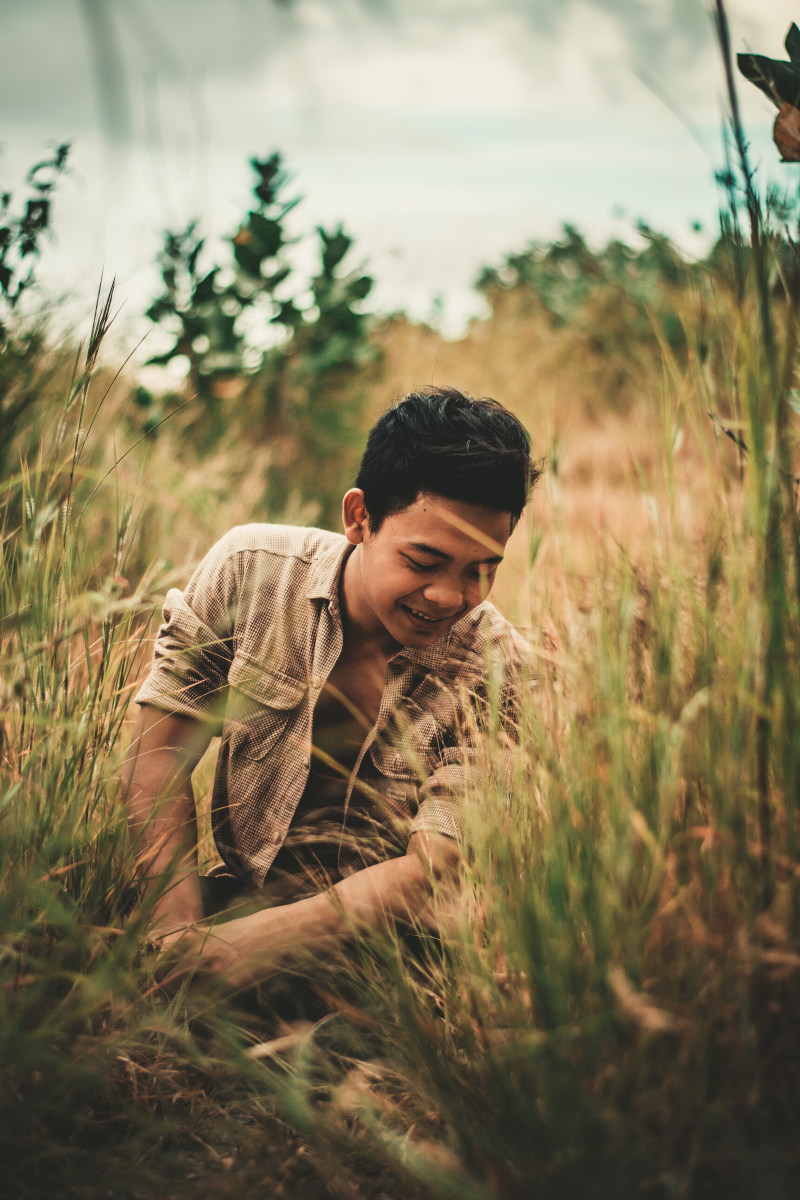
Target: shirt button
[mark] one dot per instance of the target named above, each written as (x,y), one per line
(306,764)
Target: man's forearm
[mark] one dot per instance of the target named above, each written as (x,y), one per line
(250,948)
(165,840)
(158,797)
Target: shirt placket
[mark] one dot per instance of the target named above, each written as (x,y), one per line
(325,653)
(391,695)
(326,648)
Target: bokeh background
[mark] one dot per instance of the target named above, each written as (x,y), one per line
(443,133)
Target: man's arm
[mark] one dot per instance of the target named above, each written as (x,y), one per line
(248,949)
(157,792)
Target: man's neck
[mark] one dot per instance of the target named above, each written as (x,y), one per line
(363,636)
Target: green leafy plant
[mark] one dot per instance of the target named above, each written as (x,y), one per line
(310,387)
(566,274)
(616,309)
(21,233)
(296,388)
(22,340)
(203,308)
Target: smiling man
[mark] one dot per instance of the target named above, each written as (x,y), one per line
(348,677)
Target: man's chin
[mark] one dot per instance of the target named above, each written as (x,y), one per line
(417,633)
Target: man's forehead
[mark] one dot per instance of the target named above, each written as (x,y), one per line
(449,526)
(422,547)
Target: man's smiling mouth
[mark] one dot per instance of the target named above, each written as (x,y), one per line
(421,616)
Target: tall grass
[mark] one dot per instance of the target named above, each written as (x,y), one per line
(97,1070)
(614,1011)
(619,1013)
(69,652)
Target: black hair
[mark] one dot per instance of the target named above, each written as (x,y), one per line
(445,442)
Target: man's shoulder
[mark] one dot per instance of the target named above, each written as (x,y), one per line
(263,566)
(282,541)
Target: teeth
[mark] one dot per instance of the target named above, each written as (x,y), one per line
(422,616)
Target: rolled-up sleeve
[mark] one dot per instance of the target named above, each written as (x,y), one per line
(193,647)
(441,810)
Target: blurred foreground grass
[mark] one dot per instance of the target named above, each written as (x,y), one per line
(617,1012)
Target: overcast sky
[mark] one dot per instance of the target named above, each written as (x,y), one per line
(443,133)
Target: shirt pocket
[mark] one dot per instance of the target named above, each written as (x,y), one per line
(396,774)
(396,764)
(261,707)
(409,756)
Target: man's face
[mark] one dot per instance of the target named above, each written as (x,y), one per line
(424,569)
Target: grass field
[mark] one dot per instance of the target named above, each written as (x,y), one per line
(616,1012)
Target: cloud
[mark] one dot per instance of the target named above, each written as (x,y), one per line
(450,129)
(83,62)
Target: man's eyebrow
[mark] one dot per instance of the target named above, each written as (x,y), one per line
(422,548)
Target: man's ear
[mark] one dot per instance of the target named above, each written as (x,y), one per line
(354,516)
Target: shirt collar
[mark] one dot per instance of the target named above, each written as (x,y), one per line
(456,644)
(327,569)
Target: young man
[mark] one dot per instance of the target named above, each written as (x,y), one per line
(347,677)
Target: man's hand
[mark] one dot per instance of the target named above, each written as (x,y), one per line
(248,950)
(440,855)
(184,956)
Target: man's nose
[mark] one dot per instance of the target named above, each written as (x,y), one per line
(444,594)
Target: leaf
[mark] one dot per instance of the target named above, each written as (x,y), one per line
(267,168)
(273,178)
(158,310)
(792,43)
(248,260)
(361,288)
(161,360)
(288,314)
(267,234)
(780,81)
(143,397)
(194,254)
(204,289)
(37,213)
(335,246)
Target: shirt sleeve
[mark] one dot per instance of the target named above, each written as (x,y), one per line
(472,761)
(194,644)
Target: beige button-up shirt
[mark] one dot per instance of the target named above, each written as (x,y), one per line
(248,646)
